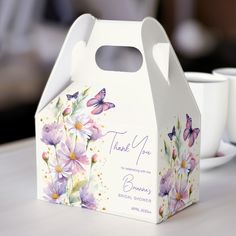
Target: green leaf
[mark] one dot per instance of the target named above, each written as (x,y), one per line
(75,107)
(168,155)
(73,199)
(78,102)
(167,148)
(177,144)
(77,185)
(85,92)
(58,107)
(74,192)
(178,124)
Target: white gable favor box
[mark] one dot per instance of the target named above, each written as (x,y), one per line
(125,143)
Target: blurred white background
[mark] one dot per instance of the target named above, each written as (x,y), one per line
(32,33)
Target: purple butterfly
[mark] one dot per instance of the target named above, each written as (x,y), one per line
(99,104)
(190,133)
(172,134)
(70,96)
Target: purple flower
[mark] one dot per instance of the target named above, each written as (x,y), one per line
(166,184)
(178,196)
(193,163)
(54,191)
(187,163)
(60,170)
(52,134)
(87,199)
(73,155)
(96,131)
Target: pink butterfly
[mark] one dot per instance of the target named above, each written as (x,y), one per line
(99,104)
(190,133)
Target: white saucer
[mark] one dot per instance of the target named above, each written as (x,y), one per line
(225,153)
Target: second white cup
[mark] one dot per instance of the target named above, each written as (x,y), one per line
(230,74)
(211,94)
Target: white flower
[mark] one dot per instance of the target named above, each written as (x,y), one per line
(81,126)
(186,163)
(60,170)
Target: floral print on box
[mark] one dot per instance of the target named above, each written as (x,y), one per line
(178,162)
(67,159)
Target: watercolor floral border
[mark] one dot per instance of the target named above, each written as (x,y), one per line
(66,142)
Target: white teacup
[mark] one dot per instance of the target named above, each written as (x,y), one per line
(230,73)
(211,95)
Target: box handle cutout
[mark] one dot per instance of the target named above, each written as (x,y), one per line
(119,58)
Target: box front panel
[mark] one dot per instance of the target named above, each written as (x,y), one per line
(86,159)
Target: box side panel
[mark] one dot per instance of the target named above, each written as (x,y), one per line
(178,121)
(178,164)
